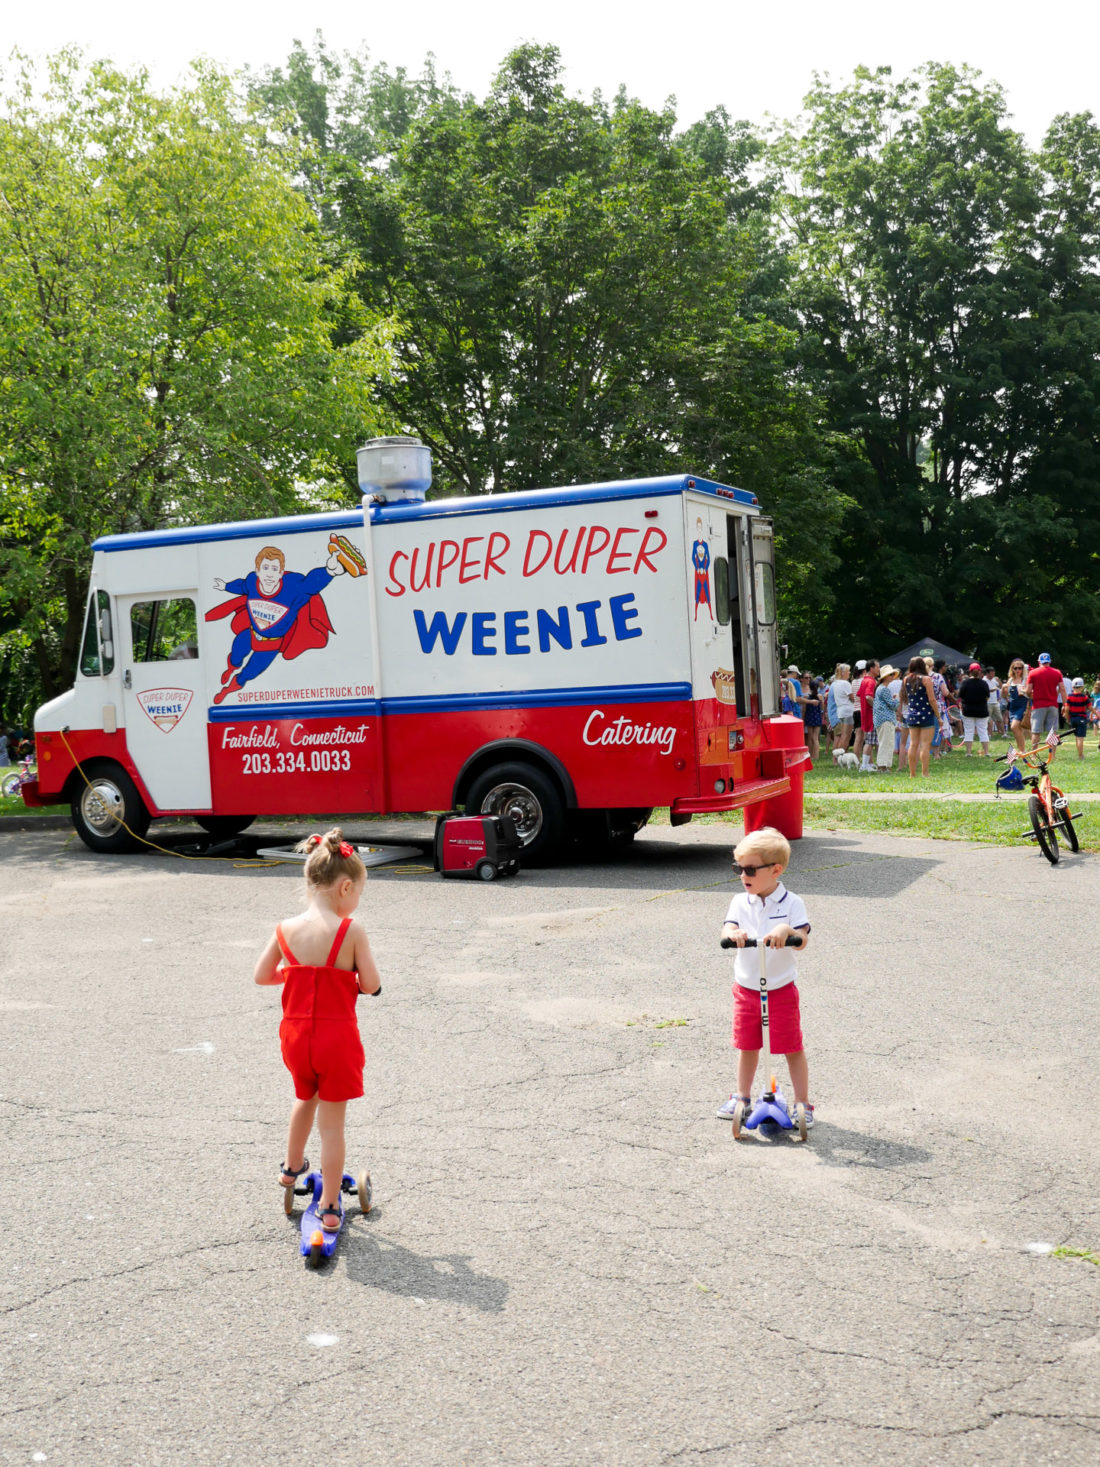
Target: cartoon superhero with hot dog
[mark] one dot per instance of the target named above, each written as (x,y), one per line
(277,612)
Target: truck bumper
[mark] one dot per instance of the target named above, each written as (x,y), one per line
(32,797)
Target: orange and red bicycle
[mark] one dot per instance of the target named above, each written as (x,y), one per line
(1046,804)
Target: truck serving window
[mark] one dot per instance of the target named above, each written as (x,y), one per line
(97,654)
(164,631)
(722,590)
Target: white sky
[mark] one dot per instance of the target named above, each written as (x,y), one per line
(753,58)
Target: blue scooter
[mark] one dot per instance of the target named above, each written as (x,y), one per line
(771,1113)
(316,1245)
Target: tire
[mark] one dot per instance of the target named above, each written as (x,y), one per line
(486,871)
(103,808)
(1045,832)
(1066,825)
(224,826)
(366,1192)
(740,1110)
(288,1201)
(800,1119)
(10,785)
(533,801)
(603,832)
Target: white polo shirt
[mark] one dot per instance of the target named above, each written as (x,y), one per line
(756,916)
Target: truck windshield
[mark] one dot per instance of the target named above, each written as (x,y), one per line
(97,653)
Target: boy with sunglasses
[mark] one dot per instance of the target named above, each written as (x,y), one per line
(766,910)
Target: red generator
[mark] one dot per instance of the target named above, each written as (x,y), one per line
(486,846)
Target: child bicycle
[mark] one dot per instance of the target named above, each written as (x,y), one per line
(1047,805)
(12,783)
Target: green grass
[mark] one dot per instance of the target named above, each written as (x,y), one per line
(1084,1253)
(15,806)
(955,772)
(999,825)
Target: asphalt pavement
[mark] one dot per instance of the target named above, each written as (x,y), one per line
(570,1260)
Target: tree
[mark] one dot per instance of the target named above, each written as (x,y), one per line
(166,332)
(949,324)
(583,294)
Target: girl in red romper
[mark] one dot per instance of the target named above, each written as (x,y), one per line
(327,963)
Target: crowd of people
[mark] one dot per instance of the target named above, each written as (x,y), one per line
(873,713)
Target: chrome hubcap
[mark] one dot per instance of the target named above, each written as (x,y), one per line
(101,806)
(520,803)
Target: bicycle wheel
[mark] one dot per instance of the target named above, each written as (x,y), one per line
(1044,831)
(1065,820)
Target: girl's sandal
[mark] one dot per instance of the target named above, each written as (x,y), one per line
(288,1177)
(332,1210)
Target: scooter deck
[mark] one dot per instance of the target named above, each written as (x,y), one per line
(312,1250)
(769,1114)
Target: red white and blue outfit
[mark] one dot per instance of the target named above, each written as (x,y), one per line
(286,622)
(756,916)
(700,559)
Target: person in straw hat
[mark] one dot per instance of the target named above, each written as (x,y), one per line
(885,711)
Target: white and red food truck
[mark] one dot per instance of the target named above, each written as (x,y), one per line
(573,657)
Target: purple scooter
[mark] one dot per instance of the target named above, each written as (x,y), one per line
(770,1113)
(316,1244)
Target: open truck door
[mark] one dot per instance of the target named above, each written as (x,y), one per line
(764,630)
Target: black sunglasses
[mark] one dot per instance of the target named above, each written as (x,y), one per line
(748,870)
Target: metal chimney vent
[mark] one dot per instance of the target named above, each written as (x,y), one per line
(395,468)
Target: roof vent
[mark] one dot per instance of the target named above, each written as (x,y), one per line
(395,468)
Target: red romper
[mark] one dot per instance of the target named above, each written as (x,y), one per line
(319,1033)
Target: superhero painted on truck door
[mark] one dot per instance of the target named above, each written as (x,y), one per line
(277,612)
(700,559)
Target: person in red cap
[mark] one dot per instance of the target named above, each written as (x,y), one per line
(974,702)
(1045,690)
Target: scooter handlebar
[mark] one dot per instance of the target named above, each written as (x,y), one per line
(792,941)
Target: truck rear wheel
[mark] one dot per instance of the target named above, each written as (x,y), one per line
(103,808)
(532,800)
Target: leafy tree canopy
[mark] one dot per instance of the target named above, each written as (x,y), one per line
(167,314)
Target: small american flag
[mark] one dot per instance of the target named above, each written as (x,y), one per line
(1052,739)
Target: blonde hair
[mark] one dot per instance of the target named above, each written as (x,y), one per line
(842,670)
(770,846)
(331,858)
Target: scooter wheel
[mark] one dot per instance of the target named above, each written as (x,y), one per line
(316,1255)
(800,1119)
(739,1112)
(288,1201)
(365,1192)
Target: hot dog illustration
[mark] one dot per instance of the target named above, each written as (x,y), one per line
(346,553)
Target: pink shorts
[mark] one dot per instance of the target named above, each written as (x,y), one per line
(784,1019)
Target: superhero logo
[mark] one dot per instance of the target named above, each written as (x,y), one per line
(165,706)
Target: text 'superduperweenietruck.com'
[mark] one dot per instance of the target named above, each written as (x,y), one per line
(573,657)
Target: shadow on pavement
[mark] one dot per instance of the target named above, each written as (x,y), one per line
(821,865)
(447,1278)
(838,1147)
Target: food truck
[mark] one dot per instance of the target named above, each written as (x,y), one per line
(571,657)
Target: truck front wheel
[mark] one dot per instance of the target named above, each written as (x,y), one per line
(107,812)
(532,800)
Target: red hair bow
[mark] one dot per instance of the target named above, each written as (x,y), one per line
(346,849)
(311,841)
